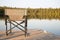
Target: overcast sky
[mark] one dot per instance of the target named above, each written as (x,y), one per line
(31,3)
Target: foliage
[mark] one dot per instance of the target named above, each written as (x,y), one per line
(44,13)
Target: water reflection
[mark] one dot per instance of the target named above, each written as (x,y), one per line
(49,25)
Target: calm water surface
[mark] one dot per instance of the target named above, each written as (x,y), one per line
(48,25)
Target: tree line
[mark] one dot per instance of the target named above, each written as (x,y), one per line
(44,13)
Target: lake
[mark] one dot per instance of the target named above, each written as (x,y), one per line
(52,26)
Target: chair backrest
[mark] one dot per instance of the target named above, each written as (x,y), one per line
(15,14)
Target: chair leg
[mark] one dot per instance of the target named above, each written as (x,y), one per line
(6,26)
(6,30)
(25,31)
(10,27)
(26,27)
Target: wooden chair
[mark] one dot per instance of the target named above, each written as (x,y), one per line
(14,15)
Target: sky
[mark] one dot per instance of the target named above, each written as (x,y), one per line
(31,3)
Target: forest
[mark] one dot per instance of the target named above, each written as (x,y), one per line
(44,13)
(39,13)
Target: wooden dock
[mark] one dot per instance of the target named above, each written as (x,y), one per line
(32,35)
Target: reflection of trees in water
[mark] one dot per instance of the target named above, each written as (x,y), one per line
(44,13)
(1,13)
